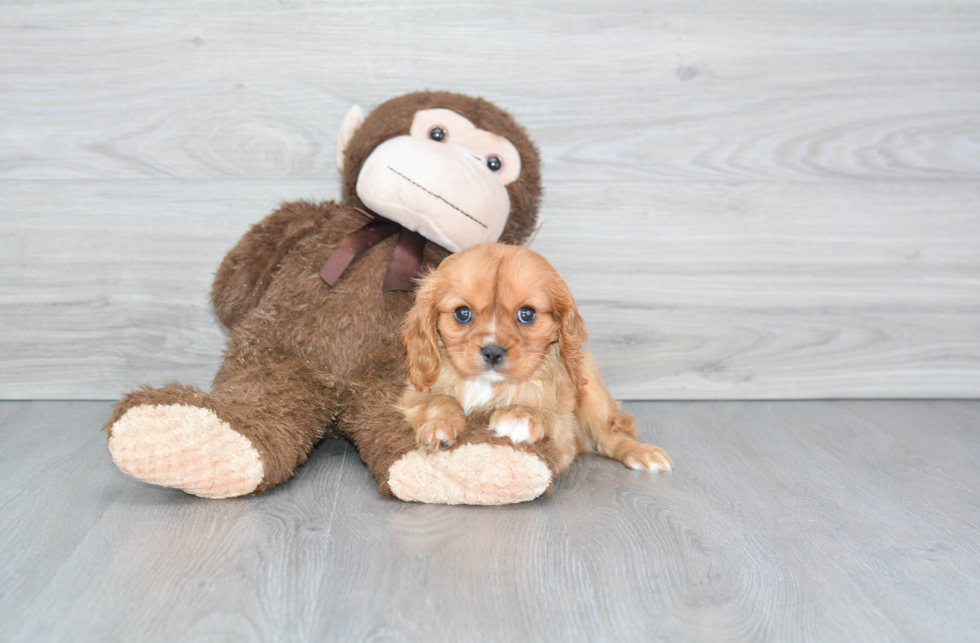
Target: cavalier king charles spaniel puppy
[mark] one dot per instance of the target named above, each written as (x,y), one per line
(495,329)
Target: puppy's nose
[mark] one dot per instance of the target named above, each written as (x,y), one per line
(492,354)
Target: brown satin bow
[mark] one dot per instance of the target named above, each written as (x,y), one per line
(406,258)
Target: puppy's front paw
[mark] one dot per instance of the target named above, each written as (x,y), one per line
(518,425)
(439,432)
(645,457)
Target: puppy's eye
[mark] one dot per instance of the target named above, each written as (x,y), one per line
(463,315)
(438,134)
(526,315)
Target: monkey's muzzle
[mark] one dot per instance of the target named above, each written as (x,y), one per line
(443,191)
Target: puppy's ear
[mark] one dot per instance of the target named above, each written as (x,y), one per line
(419,336)
(571,332)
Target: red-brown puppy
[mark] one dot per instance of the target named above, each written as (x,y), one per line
(496,328)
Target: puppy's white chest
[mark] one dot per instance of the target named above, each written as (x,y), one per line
(478,392)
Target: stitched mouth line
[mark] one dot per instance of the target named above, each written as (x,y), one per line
(437,196)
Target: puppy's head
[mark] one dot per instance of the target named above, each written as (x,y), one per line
(497,309)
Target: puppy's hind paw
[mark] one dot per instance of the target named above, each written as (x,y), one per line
(646,457)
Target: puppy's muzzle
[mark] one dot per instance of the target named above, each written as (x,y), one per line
(493,354)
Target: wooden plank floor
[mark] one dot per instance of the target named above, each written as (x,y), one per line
(750,200)
(833,521)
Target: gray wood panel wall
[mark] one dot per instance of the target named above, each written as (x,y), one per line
(750,200)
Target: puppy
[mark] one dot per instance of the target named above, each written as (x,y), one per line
(495,329)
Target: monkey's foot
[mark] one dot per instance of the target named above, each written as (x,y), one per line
(473,474)
(187,448)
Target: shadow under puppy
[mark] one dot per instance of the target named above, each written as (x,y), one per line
(496,330)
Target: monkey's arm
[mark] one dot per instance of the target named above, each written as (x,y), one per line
(247,270)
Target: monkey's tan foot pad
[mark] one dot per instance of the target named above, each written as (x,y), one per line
(187,448)
(473,474)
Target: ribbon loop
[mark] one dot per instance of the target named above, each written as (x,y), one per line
(354,244)
(406,258)
(406,262)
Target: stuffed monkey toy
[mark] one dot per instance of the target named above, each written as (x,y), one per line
(313,297)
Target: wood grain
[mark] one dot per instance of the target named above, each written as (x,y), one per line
(97,303)
(766,91)
(762,200)
(713,293)
(781,521)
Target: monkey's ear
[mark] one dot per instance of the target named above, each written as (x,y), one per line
(353,120)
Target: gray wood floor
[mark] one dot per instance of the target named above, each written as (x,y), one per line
(834,521)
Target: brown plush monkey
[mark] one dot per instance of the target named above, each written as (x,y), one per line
(307,360)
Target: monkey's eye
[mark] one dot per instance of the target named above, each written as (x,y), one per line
(438,134)
(526,315)
(463,315)
(494,163)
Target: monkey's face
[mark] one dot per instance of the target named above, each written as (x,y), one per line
(445,179)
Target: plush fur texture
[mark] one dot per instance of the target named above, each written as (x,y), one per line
(496,329)
(187,447)
(418,476)
(306,361)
